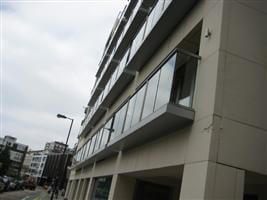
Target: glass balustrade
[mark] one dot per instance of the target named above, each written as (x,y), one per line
(173,82)
(145,29)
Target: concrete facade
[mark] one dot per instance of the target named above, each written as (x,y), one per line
(222,154)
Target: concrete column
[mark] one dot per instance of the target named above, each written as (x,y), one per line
(73,189)
(122,188)
(89,189)
(79,189)
(91,184)
(68,188)
(209,180)
(75,192)
(84,188)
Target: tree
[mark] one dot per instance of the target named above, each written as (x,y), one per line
(4,160)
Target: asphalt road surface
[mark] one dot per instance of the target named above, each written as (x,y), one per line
(20,195)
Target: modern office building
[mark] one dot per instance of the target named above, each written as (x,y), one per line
(57,166)
(25,171)
(55,147)
(37,164)
(178,110)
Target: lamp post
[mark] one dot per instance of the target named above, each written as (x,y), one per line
(65,148)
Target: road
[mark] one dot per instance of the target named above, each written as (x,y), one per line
(20,195)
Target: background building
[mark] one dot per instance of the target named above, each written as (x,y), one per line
(179,106)
(16,153)
(55,147)
(45,163)
(37,164)
(26,164)
(57,166)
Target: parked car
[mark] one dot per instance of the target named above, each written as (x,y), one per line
(30,183)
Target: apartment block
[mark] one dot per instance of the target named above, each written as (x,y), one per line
(178,109)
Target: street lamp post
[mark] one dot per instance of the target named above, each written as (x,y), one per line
(65,148)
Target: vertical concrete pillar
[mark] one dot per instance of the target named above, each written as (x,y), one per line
(75,192)
(84,188)
(209,180)
(68,188)
(73,189)
(88,193)
(89,189)
(122,187)
(79,189)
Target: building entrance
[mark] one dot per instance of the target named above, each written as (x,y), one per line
(151,191)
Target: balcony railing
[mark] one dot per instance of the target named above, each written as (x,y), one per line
(143,46)
(137,15)
(112,66)
(162,103)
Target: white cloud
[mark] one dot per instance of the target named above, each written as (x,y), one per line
(51,52)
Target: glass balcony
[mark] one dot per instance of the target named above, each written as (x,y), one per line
(147,39)
(137,15)
(163,103)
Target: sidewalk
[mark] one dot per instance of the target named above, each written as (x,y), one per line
(45,196)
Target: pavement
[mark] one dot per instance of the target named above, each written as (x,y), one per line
(38,194)
(19,195)
(45,196)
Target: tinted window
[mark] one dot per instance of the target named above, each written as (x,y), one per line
(129,113)
(184,82)
(150,95)
(165,82)
(138,105)
(101,188)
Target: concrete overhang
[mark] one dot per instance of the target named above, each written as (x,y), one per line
(124,43)
(126,14)
(165,120)
(174,14)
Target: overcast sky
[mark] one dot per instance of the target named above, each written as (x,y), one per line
(50,54)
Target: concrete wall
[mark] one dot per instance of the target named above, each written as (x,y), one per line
(241,93)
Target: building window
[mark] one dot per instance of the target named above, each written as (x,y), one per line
(151,95)
(101,188)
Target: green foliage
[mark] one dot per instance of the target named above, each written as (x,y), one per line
(5,161)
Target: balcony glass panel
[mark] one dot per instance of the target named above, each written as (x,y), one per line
(92,145)
(165,82)
(149,22)
(129,113)
(157,12)
(151,95)
(138,105)
(106,133)
(137,41)
(114,77)
(167,3)
(123,62)
(89,144)
(106,90)
(96,141)
(118,121)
